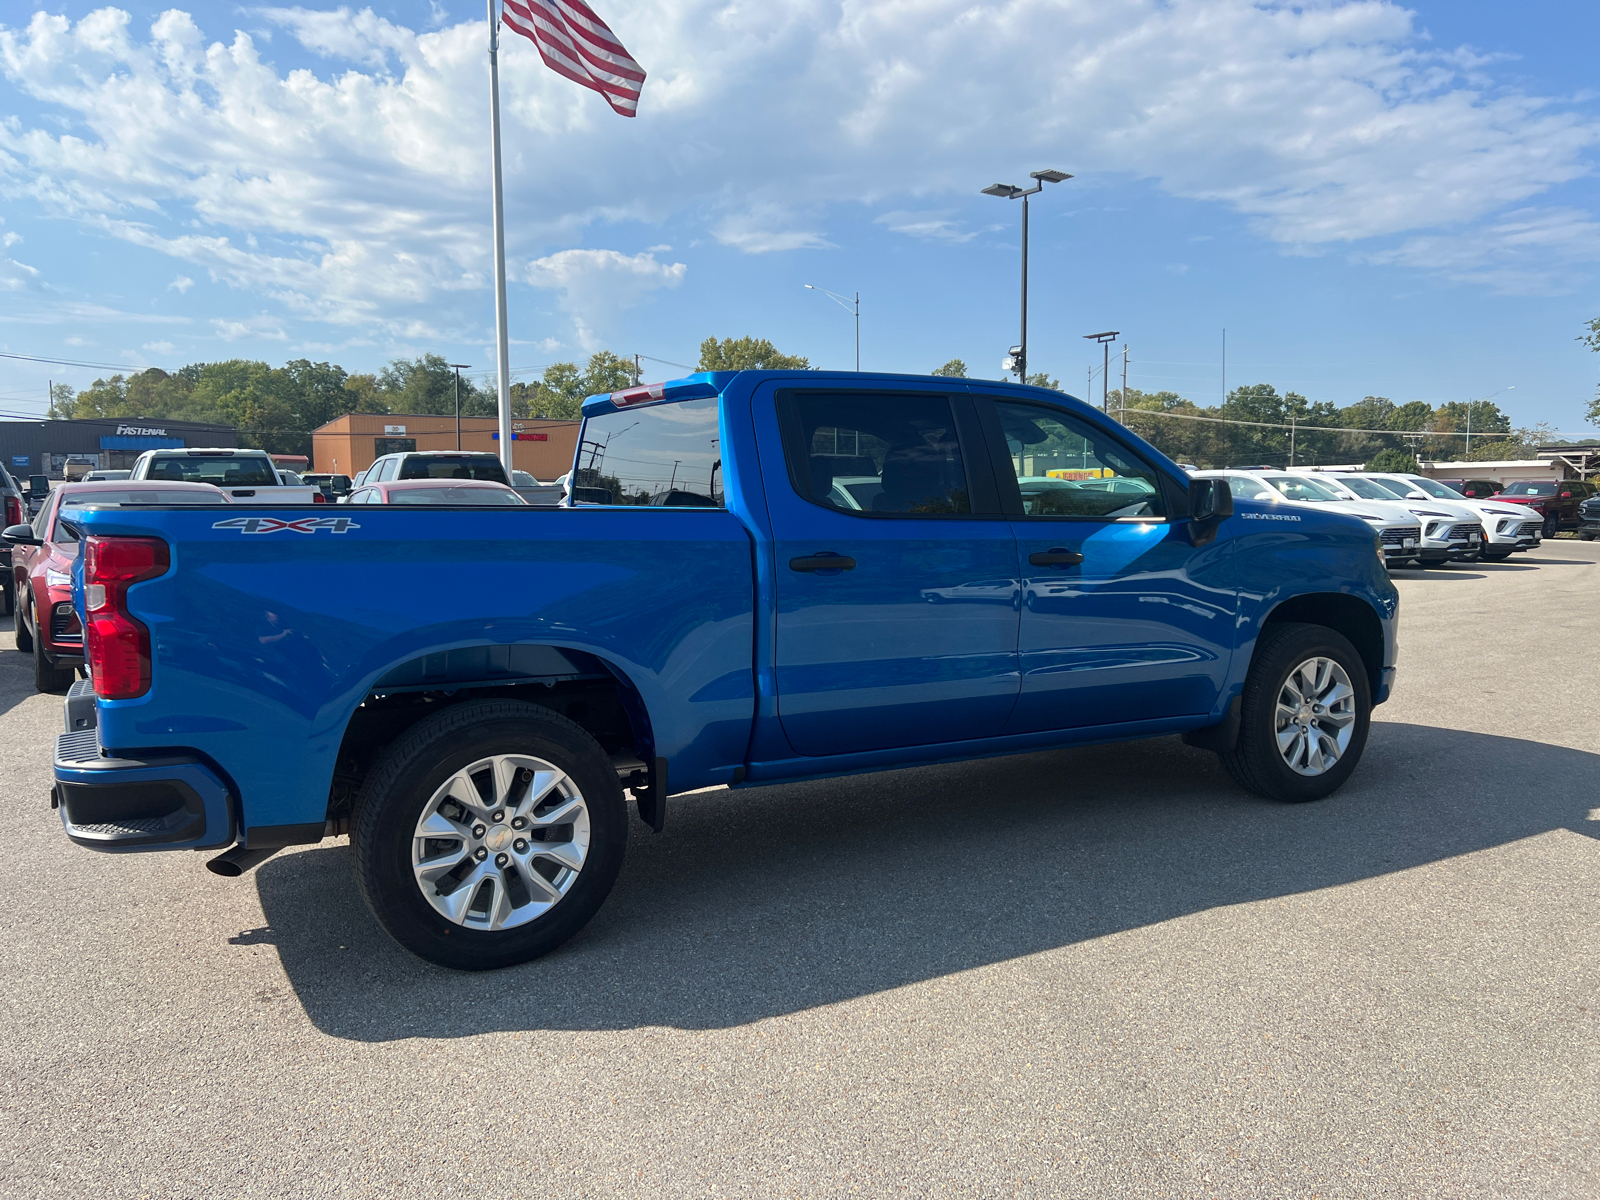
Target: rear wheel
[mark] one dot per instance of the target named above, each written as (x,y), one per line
(489,834)
(1304,714)
(48,678)
(1552,525)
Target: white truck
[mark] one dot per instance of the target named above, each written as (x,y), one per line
(247,476)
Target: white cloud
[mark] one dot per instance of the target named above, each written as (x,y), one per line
(19,277)
(1526,252)
(159,347)
(760,230)
(76,341)
(181,284)
(10,239)
(356,194)
(930,226)
(597,285)
(251,327)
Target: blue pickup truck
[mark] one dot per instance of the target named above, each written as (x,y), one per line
(760,576)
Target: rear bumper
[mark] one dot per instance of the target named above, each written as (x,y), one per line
(171,802)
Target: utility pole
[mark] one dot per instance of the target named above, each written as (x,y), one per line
(458,367)
(1124,416)
(1224,366)
(637,370)
(1105,340)
(1291,441)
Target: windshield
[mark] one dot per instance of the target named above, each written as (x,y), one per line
(1296,488)
(453,495)
(1435,488)
(243,471)
(1530,488)
(453,466)
(1367,489)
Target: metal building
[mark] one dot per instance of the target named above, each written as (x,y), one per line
(47,447)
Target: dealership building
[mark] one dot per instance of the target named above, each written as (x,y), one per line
(106,443)
(351,443)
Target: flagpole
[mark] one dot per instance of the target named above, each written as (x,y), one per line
(502,340)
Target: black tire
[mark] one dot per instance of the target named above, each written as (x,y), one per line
(1497,556)
(9,599)
(406,778)
(47,678)
(1552,526)
(1255,763)
(20,630)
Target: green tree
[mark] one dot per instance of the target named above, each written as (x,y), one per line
(1394,462)
(564,387)
(748,354)
(954,369)
(1494,450)
(426,384)
(1041,379)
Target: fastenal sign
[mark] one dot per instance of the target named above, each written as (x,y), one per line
(387,429)
(140,431)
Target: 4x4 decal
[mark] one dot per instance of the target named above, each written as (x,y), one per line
(275,525)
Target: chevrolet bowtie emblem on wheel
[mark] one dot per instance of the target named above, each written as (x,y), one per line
(274,525)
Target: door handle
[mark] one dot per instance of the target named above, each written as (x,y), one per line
(1056,556)
(823,562)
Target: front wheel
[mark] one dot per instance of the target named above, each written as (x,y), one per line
(46,677)
(20,630)
(1304,714)
(1496,555)
(489,834)
(1552,526)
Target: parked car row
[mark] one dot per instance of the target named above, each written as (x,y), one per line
(1422,522)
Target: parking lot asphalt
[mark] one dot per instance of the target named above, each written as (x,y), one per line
(1096,972)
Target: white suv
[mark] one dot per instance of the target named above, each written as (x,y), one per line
(1506,527)
(1389,520)
(1451,532)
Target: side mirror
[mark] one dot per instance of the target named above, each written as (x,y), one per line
(20,535)
(1210,499)
(1566,495)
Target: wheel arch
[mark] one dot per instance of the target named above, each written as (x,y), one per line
(588,689)
(1349,615)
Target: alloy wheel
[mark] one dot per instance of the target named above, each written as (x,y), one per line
(1316,715)
(501,842)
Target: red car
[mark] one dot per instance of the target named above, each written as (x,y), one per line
(435,491)
(41,566)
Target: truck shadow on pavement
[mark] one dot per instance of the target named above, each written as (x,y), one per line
(759,903)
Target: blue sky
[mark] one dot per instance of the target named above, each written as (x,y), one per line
(1371,199)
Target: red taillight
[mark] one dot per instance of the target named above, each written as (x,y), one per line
(13,511)
(118,647)
(318,498)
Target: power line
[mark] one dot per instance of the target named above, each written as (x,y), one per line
(74,362)
(1154,412)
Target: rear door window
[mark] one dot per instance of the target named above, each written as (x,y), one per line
(875,454)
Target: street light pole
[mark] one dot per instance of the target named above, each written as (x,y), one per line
(849,306)
(1018,359)
(458,367)
(1105,340)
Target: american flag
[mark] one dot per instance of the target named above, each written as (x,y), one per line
(576,43)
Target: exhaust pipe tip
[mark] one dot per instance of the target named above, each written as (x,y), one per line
(234,863)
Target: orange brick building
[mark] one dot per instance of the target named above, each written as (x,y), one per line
(354,442)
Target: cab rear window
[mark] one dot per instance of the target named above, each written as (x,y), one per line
(465,466)
(222,471)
